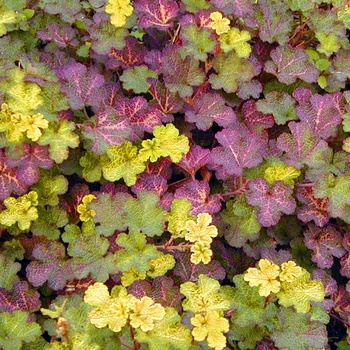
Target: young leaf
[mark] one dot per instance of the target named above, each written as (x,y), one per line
(273,200)
(136,79)
(8,274)
(289,63)
(16,330)
(158,14)
(59,136)
(209,108)
(119,11)
(179,214)
(144,214)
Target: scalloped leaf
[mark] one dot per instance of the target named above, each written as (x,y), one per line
(136,78)
(273,200)
(291,63)
(9,269)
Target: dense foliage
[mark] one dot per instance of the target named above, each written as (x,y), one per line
(174,174)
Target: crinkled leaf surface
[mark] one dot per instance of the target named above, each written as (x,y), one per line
(273,200)
(9,269)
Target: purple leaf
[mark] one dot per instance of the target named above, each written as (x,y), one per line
(198,193)
(105,129)
(150,182)
(255,120)
(240,149)
(162,290)
(131,55)
(209,108)
(302,146)
(195,159)
(289,63)
(313,208)
(345,260)
(342,303)
(61,35)
(50,265)
(273,200)
(322,113)
(9,182)
(157,13)
(161,168)
(168,102)
(20,297)
(138,113)
(240,8)
(28,161)
(80,85)
(325,244)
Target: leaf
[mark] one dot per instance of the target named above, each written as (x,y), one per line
(299,331)
(280,104)
(90,258)
(105,129)
(9,182)
(16,330)
(167,333)
(313,208)
(203,296)
(325,244)
(321,112)
(180,74)
(138,113)
(151,183)
(92,170)
(236,40)
(158,14)
(49,265)
(61,35)
(109,213)
(273,19)
(209,108)
(20,297)
(122,162)
(290,63)
(137,253)
(231,71)
(273,200)
(119,11)
(256,121)
(239,149)
(135,79)
(198,193)
(300,292)
(145,214)
(59,136)
(105,36)
(66,11)
(195,159)
(28,160)
(179,214)
(161,289)
(303,147)
(243,224)
(198,42)
(345,260)
(80,85)
(9,269)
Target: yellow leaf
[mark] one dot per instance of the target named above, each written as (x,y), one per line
(281,172)
(119,11)
(97,295)
(220,25)
(201,252)
(290,271)
(201,231)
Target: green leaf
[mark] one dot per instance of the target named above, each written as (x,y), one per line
(242,220)
(8,272)
(50,187)
(198,42)
(137,253)
(135,79)
(236,40)
(179,214)
(230,72)
(167,334)
(122,162)
(170,142)
(144,214)
(92,171)
(280,104)
(15,330)
(90,258)
(297,331)
(59,136)
(196,5)
(49,222)
(329,43)
(301,292)
(204,296)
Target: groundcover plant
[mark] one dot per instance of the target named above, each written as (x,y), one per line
(175,174)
